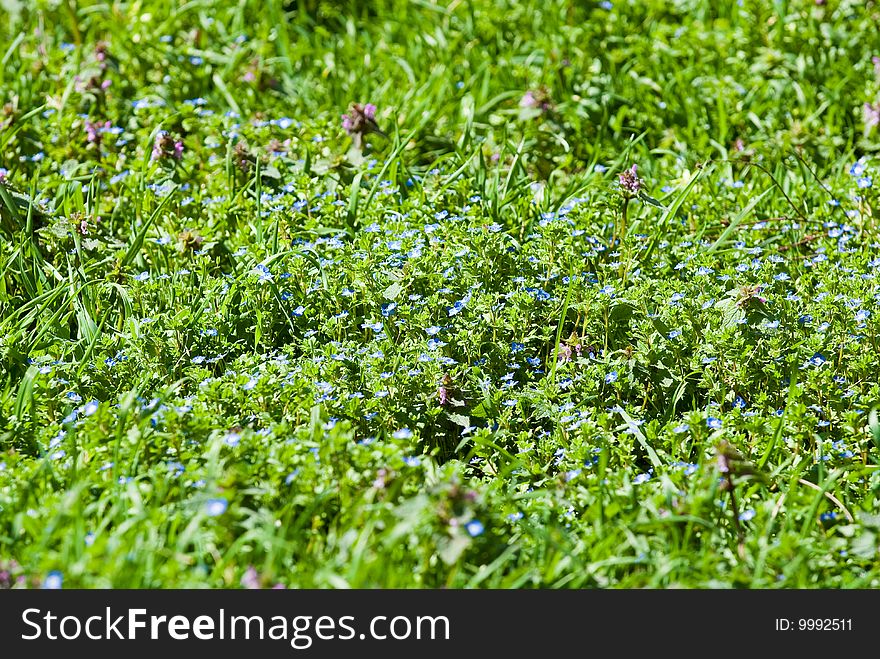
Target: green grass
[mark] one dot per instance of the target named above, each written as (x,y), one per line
(463,355)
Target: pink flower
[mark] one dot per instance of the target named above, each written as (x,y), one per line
(251,579)
(166,146)
(871,113)
(360,120)
(528,100)
(630,181)
(564,354)
(94,130)
(538,99)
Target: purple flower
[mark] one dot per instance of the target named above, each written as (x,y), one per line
(166,146)
(360,121)
(630,181)
(95,130)
(528,100)
(251,578)
(564,354)
(537,99)
(871,112)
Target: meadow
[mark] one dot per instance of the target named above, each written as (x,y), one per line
(438,293)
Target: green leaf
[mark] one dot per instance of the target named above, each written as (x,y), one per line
(651,201)
(393,291)
(864,546)
(652,454)
(451,549)
(459,419)
(731,314)
(874,425)
(735,222)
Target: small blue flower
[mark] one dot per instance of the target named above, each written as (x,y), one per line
(143,276)
(53,580)
(642,478)
(90,408)
(388,308)
(457,307)
(864,182)
(746,515)
(475,528)
(215,507)
(684,427)
(611,377)
(713,422)
(263,273)
(818,359)
(403,433)
(740,403)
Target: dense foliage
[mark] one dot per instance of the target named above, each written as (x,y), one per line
(453,337)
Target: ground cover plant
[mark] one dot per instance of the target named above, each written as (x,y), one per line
(439,294)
